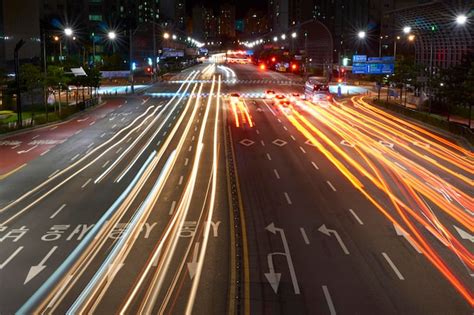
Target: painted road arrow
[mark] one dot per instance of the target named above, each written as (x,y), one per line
(35,270)
(323,229)
(274,278)
(192,266)
(402,233)
(26,151)
(464,235)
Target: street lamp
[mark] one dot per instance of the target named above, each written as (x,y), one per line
(174,37)
(68,31)
(407,29)
(112,35)
(283,36)
(166,35)
(275,39)
(362,34)
(293,35)
(461,19)
(411,37)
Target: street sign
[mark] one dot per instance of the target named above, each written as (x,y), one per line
(359,58)
(373,65)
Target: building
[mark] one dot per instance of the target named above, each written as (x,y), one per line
(439,41)
(278,15)
(204,23)
(226,21)
(174,11)
(24,24)
(255,23)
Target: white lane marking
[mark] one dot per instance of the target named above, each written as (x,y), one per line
(106,163)
(276,174)
(284,127)
(170,124)
(102,135)
(400,166)
(395,269)
(90,145)
(54,173)
(26,151)
(330,185)
(75,157)
(173,205)
(35,137)
(78,132)
(114,126)
(257,131)
(90,124)
(269,108)
(128,140)
(57,211)
(293,137)
(332,310)
(44,152)
(52,128)
(263,143)
(16,146)
(5,263)
(279,120)
(356,217)
(192,139)
(186,161)
(190,148)
(180,180)
(269,157)
(158,143)
(305,237)
(118,151)
(302,150)
(287,197)
(86,183)
(315,165)
(123,119)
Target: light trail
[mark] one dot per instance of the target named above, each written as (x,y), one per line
(412,181)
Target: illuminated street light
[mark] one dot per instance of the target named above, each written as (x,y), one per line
(293,35)
(275,39)
(68,31)
(461,19)
(56,38)
(361,34)
(411,38)
(407,29)
(283,36)
(166,35)
(174,37)
(112,35)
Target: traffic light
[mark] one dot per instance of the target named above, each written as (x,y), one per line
(148,70)
(273,59)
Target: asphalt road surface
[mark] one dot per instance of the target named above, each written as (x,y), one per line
(184,200)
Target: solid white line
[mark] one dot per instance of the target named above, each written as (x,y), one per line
(390,262)
(75,157)
(57,211)
(269,157)
(276,174)
(106,163)
(332,310)
(330,185)
(288,198)
(86,183)
(305,237)
(180,180)
(54,173)
(302,150)
(173,205)
(315,166)
(44,152)
(356,217)
(293,137)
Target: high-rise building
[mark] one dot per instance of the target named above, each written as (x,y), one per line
(255,23)
(226,21)
(174,11)
(278,15)
(204,23)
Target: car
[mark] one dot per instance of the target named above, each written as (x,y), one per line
(284,103)
(234,98)
(295,96)
(269,94)
(280,97)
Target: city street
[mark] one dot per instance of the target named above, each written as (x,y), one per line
(180,200)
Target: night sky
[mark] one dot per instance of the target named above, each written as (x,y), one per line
(241,8)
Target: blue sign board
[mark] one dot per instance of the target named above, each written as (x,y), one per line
(373,65)
(359,58)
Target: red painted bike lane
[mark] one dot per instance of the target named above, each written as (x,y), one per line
(18,150)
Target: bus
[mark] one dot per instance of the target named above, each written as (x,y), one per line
(315,90)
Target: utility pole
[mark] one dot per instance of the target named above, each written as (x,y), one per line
(18,46)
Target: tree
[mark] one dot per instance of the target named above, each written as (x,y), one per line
(57,79)
(32,81)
